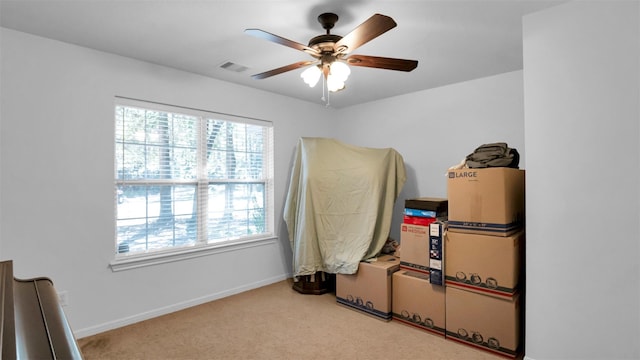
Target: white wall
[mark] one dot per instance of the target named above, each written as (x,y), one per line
(56,142)
(581,86)
(435,129)
(57,207)
(580,103)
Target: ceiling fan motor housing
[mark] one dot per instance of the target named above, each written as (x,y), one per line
(324,43)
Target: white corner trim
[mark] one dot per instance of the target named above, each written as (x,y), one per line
(137,261)
(528,358)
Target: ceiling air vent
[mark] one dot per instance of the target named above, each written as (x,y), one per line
(231,66)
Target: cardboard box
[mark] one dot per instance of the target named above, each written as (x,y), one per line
(486,201)
(369,290)
(414,248)
(484,322)
(491,265)
(418,303)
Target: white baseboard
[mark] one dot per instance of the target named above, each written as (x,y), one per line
(93,330)
(528,358)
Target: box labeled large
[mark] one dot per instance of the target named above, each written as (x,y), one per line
(418,303)
(491,265)
(486,201)
(484,322)
(369,290)
(414,248)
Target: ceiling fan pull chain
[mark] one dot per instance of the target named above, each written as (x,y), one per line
(324,86)
(325,90)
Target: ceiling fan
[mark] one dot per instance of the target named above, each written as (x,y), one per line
(331,52)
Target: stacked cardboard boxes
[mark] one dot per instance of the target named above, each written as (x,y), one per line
(419,214)
(485,259)
(481,227)
(369,290)
(424,211)
(418,293)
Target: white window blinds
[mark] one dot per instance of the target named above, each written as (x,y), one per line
(186,177)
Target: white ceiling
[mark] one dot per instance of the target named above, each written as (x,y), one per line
(453,40)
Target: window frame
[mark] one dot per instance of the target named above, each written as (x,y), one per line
(125,261)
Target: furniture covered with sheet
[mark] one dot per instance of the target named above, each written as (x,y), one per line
(339,205)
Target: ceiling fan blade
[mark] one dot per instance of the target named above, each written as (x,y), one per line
(373,27)
(282,69)
(280,40)
(382,62)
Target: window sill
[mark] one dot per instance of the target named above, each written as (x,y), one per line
(129,262)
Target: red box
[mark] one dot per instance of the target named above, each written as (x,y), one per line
(418,220)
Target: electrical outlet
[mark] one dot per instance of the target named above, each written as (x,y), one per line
(63,298)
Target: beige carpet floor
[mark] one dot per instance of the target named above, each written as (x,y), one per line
(272,322)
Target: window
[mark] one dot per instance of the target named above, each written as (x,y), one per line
(187,179)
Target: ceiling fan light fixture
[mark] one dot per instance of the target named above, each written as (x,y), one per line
(331,52)
(334,84)
(340,71)
(311,76)
(338,74)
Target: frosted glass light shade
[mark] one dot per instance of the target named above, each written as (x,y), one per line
(340,71)
(311,76)
(334,84)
